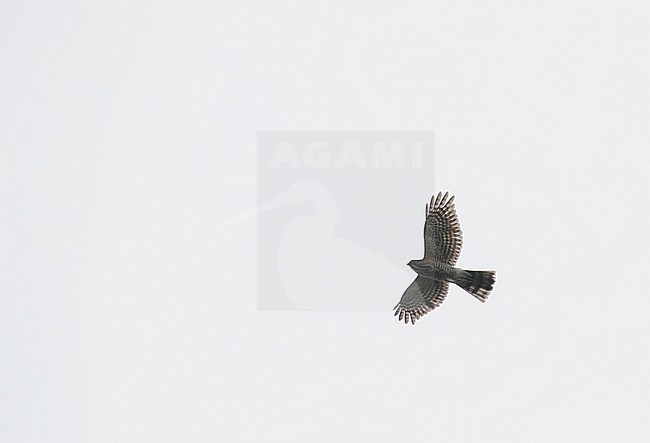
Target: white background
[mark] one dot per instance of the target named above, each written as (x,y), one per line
(128,133)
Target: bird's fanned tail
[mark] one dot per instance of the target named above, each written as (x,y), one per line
(477,283)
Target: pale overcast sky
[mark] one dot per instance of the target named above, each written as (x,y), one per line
(129,135)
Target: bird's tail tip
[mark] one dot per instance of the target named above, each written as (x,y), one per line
(478,283)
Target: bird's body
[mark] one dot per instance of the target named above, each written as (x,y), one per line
(443,241)
(432,269)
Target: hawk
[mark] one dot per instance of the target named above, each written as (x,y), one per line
(443,240)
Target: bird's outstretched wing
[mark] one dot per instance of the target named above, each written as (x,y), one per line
(443,238)
(422,296)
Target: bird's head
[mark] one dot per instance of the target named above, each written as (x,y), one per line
(418,266)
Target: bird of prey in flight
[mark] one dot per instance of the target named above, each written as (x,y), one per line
(443,240)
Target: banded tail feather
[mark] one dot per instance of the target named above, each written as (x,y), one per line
(477,283)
